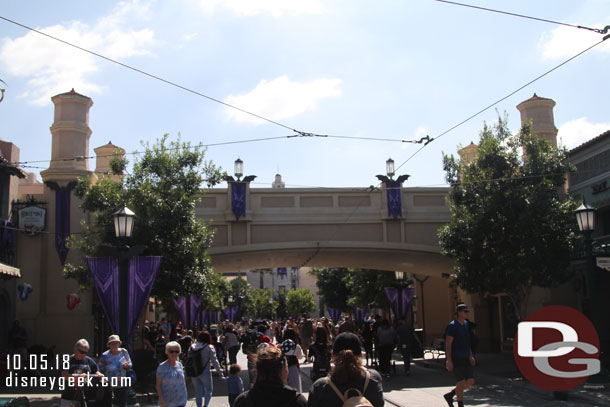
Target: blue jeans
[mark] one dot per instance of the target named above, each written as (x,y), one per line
(203,385)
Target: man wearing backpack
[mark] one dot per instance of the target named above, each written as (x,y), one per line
(460,359)
(197,367)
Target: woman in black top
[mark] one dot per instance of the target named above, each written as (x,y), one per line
(270,389)
(321,355)
(347,373)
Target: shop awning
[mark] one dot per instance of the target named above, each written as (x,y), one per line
(6,270)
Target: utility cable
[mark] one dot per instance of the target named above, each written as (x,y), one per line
(597,30)
(501,100)
(150,75)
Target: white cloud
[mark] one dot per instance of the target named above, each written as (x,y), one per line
(576,132)
(281,98)
(51,67)
(565,42)
(276,8)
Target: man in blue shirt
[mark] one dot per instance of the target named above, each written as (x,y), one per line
(460,359)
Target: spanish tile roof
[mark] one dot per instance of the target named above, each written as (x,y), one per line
(589,143)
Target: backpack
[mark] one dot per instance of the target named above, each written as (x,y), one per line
(194,364)
(355,401)
(249,342)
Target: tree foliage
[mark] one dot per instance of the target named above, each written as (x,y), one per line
(300,302)
(261,306)
(163,189)
(511,225)
(344,288)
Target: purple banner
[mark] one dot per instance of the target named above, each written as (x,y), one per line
(282,272)
(180,304)
(105,272)
(394,192)
(407,296)
(231,313)
(8,234)
(238,199)
(142,274)
(392,294)
(360,313)
(335,314)
(62,217)
(195,314)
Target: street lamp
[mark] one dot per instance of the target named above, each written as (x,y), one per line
(585,216)
(389,167)
(123,228)
(239,168)
(399,275)
(123,222)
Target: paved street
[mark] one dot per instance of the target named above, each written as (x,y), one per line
(497,385)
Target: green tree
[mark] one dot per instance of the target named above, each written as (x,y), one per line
(332,287)
(367,286)
(510,226)
(300,302)
(261,306)
(163,189)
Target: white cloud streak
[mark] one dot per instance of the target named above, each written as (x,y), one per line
(578,131)
(275,8)
(51,67)
(565,42)
(281,98)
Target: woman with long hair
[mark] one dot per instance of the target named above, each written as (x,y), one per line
(270,389)
(347,373)
(320,351)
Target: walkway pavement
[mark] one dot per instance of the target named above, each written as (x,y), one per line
(498,384)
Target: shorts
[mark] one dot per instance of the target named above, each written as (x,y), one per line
(462,369)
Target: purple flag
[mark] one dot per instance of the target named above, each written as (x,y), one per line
(238,199)
(195,303)
(62,217)
(204,319)
(360,313)
(8,234)
(180,304)
(394,200)
(231,313)
(407,296)
(335,314)
(105,272)
(142,274)
(392,294)
(282,272)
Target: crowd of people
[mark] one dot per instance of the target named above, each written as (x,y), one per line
(348,361)
(276,350)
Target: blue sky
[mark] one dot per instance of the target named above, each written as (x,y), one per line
(390,69)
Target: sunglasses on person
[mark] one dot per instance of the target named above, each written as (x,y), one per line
(84,352)
(465,310)
(173,351)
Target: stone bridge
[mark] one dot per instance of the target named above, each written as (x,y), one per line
(332,227)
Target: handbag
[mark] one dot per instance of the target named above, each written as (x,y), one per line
(130,372)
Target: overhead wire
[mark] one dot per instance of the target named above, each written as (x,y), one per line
(140,71)
(597,30)
(500,100)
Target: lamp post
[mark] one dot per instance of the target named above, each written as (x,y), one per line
(389,167)
(271,306)
(585,216)
(238,169)
(123,228)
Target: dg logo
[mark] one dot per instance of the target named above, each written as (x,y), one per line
(557,348)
